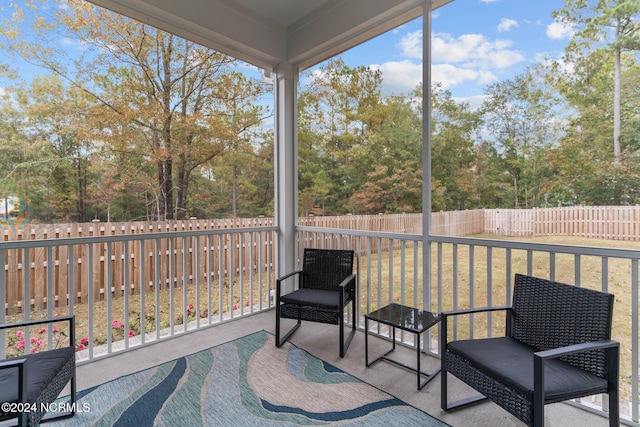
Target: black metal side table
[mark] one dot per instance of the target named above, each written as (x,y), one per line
(408,319)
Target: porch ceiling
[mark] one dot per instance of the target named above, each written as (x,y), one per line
(269,32)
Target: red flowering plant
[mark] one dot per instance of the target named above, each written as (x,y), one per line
(118,330)
(17,344)
(84,343)
(236,306)
(192,313)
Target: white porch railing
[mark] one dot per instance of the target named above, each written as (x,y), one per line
(149,287)
(470,272)
(465,272)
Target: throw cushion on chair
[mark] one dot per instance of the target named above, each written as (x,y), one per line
(511,362)
(313,298)
(43,367)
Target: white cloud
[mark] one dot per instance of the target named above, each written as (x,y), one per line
(399,77)
(469,58)
(474,50)
(411,45)
(450,75)
(474,102)
(559,31)
(506,24)
(468,48)
(500,59)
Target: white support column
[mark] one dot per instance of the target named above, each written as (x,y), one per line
(286,167)
(426,154)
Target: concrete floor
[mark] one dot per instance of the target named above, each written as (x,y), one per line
(321,341)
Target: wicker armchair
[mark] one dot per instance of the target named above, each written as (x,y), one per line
(34,381)
(557,347)
(326,285)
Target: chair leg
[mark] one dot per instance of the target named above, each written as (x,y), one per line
(353,314)
(344,344)
(444,403)
(538,391)
(614,410)
(295,327)
(458,404)
(613,356)
(443,376)
(341,325)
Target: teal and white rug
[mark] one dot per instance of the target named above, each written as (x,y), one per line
(245,382)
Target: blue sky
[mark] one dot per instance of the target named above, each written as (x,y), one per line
(474,43)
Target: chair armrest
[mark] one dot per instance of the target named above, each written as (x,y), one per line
(12,363)
(446,314)
(347,281)
(613,356)
(281,279)
(286,276)
(347,285)
(575,348)
(37,322)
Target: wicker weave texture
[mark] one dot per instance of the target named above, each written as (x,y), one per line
(326,286)
(510,400)
(549,315)
(310,314)
(54,388)
(325,269)
(545,315)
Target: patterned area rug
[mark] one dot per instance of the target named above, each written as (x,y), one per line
(246,382)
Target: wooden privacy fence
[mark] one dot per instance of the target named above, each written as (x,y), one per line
(454,223)
(49,268)
(136,262)
(595,222)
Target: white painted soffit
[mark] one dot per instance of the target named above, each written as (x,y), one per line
(268,32)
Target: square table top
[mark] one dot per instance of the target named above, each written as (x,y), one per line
(406,318)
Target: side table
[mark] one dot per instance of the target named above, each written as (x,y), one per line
(408,319)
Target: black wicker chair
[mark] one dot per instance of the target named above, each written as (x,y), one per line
(557,347)
(326,285)
(38,379)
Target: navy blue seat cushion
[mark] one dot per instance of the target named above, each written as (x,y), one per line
(41,367)
(510,362)
(317,298)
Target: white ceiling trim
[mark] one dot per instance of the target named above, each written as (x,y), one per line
(242,32)
(263,47)
(331,31)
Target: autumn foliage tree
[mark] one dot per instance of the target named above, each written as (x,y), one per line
(155,96)
(123,122)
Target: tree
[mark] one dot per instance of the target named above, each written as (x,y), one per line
(58,115)
(521,116)
(161,98)
(339,112)
(19,153)
(393,155)
(595,22)
(455,128)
